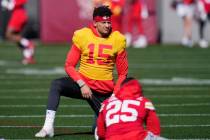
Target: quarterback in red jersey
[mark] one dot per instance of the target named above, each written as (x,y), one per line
(15,26)
(204,16)
(97,49)
(122,116)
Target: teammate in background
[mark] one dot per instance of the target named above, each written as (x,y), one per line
(98,49)
(122,116)
(137,11)
(15,27)
(116,7)
(185,9)
(204,16)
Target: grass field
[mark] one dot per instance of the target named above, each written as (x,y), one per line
(175,78)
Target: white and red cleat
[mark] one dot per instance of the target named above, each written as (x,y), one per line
(28,54)
(29,60)
(31,47)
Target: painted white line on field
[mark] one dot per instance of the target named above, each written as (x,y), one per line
(9,63)
(23,97)
(31,82)
(29,71)
(179,105)
(172,126)
(22,139)
(178,96)
(175,81)
(35,106)
(183,115)
(88,126)
(26,126)
(42,116)
(175,88)
(15,77)
(168,66)
(25,90)
(87,106)
(89,115)
(60,70)
(3,63)
(145,89)
(148,96)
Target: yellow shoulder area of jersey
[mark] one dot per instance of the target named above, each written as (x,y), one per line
(83,32)
(120,40)
(80,36)
(118,35)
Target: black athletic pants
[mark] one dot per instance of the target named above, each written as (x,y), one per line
(202,25)
(65,86)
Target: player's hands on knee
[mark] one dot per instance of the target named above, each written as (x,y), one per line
(86,92)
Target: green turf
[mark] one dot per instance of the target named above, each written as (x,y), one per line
(184,108)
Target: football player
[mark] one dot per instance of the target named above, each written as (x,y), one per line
(97,49)
(123,115)
(15,27)
(137,11)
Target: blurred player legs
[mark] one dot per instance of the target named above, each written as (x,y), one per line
(15,27)
(185,10)
(136,13)
(203,7)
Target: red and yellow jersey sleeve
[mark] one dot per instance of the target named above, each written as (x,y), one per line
(98,55)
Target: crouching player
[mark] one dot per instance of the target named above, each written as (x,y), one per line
(122,116)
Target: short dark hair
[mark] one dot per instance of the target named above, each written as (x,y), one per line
(102,11)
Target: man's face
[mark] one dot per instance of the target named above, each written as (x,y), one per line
(103,27)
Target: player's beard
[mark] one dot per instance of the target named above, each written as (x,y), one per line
(106,35)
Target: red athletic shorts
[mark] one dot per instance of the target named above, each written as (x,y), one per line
(18,20)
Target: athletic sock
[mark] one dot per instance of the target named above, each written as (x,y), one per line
(24,42)
(49,120)
(27,52)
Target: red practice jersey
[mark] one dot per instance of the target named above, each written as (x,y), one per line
(125,118)
(19,16)
(19,3)
(188,1)
(135,8)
